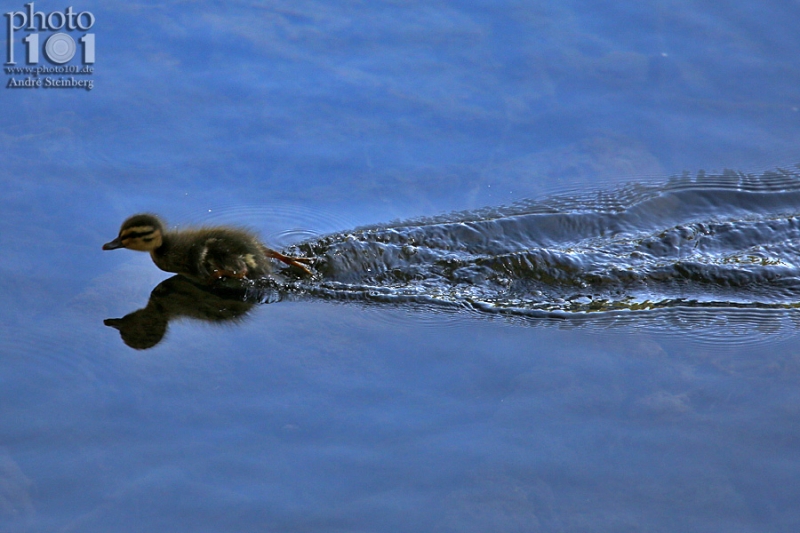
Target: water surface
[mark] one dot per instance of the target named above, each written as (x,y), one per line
(599,339)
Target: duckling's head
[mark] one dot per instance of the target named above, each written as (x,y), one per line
(140,232)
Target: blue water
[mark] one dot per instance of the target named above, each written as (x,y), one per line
(300,119)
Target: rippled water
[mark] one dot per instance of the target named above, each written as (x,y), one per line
(724,241)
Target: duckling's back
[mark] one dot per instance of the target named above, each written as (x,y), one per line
(208,253)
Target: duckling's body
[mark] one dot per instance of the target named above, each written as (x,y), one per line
(211,253)
(202,254)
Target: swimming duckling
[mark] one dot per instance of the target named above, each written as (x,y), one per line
(203,254)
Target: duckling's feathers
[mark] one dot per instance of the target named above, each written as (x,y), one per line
(198,252)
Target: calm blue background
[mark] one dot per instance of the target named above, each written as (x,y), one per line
(300,118)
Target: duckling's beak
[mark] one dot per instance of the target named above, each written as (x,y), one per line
(113,245)
(115,323)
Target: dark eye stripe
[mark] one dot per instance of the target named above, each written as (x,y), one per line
(136,235)
(136,230)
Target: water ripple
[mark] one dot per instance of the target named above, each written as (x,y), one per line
(698,244)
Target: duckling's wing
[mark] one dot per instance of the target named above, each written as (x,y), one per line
(226,258)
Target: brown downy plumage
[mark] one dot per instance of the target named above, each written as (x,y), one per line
(202,254)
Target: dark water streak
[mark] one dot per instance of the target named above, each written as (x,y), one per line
(727,240)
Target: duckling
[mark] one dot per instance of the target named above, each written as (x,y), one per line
(204,255)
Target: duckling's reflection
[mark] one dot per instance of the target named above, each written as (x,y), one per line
(178,297)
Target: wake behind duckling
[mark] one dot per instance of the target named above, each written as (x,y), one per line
(729,240)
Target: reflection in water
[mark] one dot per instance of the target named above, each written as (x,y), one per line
(178,297)
(682,251)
